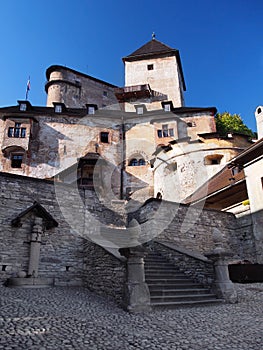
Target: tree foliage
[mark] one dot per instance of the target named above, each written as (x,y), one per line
(226,122)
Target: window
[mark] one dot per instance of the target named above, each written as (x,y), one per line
(10,132)
(22,107)
(159,133)
(235,170)
(105,93)
(259,110)
(167,107)
(133,162)
(91,110)
(104,137)
(23,132)
(16,131)
(165,131)
(150,66)
(139,110)
(171,132)
(58,108)
(141,162)
(191,124)
(137,161)
(16,160)
(213,159)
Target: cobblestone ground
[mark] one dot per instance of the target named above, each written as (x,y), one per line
(74,318)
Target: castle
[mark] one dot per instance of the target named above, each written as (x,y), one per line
(144,130)
(85,175)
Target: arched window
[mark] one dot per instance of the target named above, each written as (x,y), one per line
(137,160)
(133,162)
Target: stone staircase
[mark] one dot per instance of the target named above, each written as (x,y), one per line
(170,287)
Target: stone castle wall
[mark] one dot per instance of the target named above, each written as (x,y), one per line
(67,254)
(191,228)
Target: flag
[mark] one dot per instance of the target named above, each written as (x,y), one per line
(27,87)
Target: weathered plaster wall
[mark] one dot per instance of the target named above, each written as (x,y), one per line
(164,78)
(76,89)
(62,140)
(185,169)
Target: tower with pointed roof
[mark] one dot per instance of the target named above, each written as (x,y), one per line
(153,74)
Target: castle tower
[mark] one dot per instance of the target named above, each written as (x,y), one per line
(153,74)
(76,89)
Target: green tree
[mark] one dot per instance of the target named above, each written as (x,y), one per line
(226,122)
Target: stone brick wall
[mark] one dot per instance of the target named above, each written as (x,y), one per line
(61,252)
(104,273)
(191,228)
(66,255)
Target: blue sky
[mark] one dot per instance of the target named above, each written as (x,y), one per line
(220,44)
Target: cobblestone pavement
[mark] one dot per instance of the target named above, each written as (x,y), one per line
(74,318)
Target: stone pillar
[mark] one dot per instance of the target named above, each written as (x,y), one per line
(35,243)
(137,295)
(224,287)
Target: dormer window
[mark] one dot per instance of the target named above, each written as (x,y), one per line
(167,106)
(140,109)
(165,131)
(91,110)
(22,107)
(58,109)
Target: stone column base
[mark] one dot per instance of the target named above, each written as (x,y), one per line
(137,297)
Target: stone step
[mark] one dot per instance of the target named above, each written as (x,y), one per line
(168,280)
(175,304)
(169,287)
(160,267)
(185,297)
(165,275)
(177,291)
(162,270)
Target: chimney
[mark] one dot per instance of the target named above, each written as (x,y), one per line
(259,119)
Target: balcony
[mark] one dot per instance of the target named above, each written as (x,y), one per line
(134,92)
